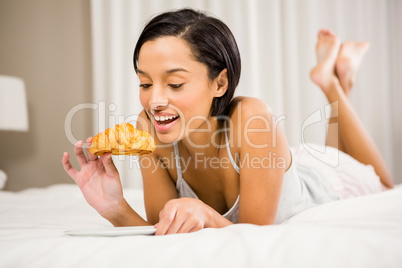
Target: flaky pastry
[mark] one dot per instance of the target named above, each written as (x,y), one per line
(122,139)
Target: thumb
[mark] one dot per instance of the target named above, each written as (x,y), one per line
(110,168)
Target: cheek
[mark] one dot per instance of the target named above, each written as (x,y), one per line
(193,103)
(144,99)
(200,97)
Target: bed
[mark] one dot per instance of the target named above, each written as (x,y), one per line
(359,232)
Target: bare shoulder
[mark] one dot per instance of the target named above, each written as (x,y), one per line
(253,126)
(248,106)
(246,110)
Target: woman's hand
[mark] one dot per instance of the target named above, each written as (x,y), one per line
(98,179)
(183,215)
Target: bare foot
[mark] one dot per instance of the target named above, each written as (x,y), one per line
(327,49)
(348,62)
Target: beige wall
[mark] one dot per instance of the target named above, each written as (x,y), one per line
(47,44)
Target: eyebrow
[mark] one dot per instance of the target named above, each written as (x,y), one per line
(168,71)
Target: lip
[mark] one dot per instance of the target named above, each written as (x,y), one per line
(164,128)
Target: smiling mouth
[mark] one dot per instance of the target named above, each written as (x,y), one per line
(164,120)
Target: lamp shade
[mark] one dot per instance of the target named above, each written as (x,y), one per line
(13,104)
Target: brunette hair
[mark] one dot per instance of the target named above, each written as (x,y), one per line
(210,40)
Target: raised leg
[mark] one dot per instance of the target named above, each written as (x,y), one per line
(355,140)
(347,64)
(327,50)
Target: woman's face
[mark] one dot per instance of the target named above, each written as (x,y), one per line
(175,90)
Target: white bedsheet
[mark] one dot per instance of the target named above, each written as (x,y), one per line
(360,232)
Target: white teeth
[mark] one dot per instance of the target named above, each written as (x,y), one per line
(164,118)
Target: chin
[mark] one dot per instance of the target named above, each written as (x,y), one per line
(168,137)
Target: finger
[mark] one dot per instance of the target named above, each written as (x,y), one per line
(110,168)
(195,229)
(67,166)
(79,153)
(188,226)
(165,219)
(91,157)
(176,224)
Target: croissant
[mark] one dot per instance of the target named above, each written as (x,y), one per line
(122,139)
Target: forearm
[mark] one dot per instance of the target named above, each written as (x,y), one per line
(124,215)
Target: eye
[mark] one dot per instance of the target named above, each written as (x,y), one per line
(175,85)
(145,86)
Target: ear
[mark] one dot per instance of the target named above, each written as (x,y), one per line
(221,83)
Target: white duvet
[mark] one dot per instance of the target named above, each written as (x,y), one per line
(359,232)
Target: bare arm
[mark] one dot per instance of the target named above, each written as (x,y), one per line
(265,155)
(169,213)
(159,188)
(99,182)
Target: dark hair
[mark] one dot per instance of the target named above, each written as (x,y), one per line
(210,40)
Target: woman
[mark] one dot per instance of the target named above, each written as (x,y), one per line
(235,159)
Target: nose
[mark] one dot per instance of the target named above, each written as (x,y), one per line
(158,99)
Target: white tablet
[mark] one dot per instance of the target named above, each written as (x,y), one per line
(113,231)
